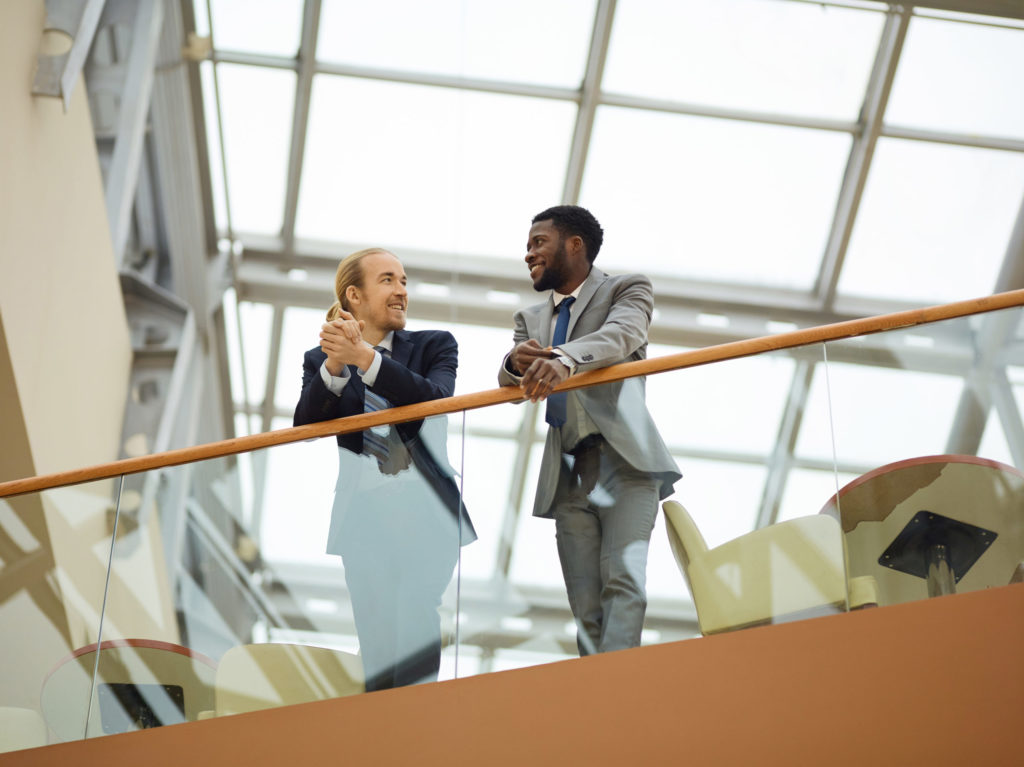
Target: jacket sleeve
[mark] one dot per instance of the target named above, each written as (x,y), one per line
(624,330)
(316,402)
(505,375)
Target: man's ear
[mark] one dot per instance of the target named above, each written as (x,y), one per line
(352,294)
(576,245)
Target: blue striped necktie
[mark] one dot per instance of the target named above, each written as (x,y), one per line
(375,439)
(556,410)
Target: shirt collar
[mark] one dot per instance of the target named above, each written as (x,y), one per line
(557,298)
(388,342)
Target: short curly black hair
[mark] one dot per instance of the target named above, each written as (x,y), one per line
(572,220)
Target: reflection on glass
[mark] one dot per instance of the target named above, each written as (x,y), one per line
(934,222)
(686,178)
(481,351)
(993,444)
(474,38)
(397,527)
(721,496)
(729,418)
(398,520)
(807,490)
(787,57)
(489,475)
(429,153)
(932,511)
(256,614)
(879,414)
(256,107)
(936,85)
(54,553)
(521,615)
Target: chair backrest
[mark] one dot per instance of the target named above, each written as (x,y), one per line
(257,676)
(685,539)
(20,728)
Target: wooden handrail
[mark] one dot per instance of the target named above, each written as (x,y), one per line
(721,352)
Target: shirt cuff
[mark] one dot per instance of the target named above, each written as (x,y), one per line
(335,384)
(369,376)
(566,360)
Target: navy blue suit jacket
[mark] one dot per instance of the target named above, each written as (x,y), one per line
(421,367)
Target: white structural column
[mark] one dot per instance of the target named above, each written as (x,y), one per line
(987,381)
(123,174)
(871,118)
(590,96)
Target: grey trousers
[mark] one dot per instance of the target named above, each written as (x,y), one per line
(602,541)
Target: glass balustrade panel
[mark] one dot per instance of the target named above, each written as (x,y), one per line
(290,574)
(55,548)
(929,443)
(729,428)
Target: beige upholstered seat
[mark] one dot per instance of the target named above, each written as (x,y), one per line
(784,571)
(257,676)
(21,728)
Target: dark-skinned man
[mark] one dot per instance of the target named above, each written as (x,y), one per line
(605,466)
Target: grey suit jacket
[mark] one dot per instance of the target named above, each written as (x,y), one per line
(608,325)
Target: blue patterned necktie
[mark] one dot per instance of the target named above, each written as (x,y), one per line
(555,414)
(375,440)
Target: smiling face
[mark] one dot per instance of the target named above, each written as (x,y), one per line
(555,263)
(382,301)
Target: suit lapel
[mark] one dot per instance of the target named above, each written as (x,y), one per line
(590,285)
(538,322)
(401,347)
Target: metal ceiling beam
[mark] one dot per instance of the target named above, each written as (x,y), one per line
(319,261)
(725,113)
(400,76)
(590,96)
(957,139)
(1008,9)
(300,121)
(683,319)
(123,174)
(861,153)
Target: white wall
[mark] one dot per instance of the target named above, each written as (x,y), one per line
(65,358)
(60,298)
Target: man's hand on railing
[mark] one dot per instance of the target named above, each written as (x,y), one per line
(542,376)
(524,355)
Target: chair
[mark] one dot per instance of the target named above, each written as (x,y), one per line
(20,728)
(141,683)
(794,569)
(257,676)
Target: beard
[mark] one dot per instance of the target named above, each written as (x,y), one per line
(556,273)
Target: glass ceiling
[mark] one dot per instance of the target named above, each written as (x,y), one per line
(812,154)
